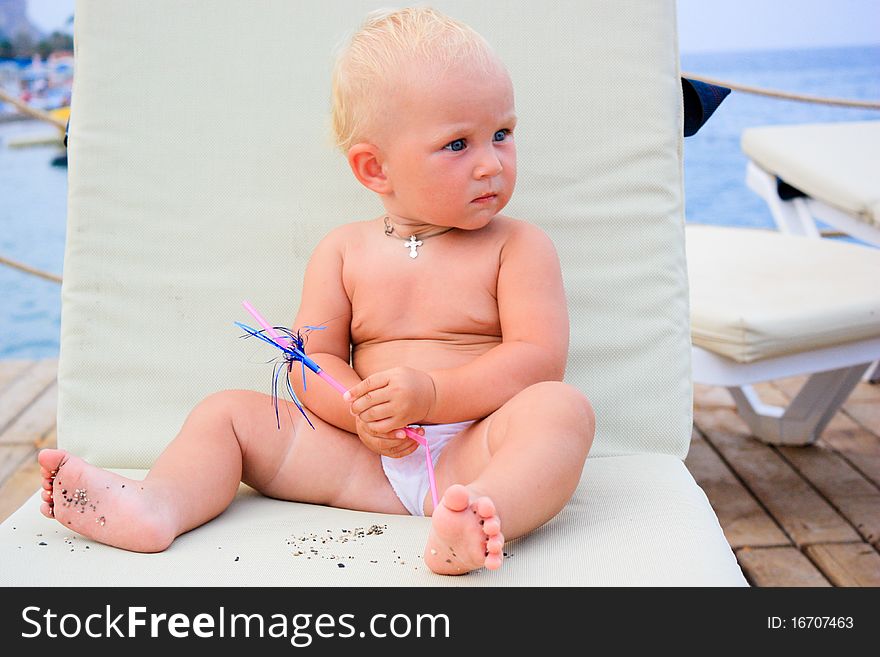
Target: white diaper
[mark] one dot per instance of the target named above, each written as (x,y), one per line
(409,475)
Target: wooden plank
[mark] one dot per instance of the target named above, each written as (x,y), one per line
(23,483)
(50,439)
(712,396)
(11,370)
(842,476)
(856,444)
(866,413)
(779,566)
(847,564)
(743,520)
(36,420)
(25,389)
(866,392)
(12,457)
(804,515)
(857,499)
(772,394)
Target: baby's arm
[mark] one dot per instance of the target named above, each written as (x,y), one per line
(325,303)
(534,327)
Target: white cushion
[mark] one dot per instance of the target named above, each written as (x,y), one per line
(757,294)
(200,176)
(635,521)
(838,163)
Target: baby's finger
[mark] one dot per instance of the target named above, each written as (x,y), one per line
(403,448)
(372,382)
(383,427)
(370,399)
(407,444)
(385,442)
(390,445)
(401,433)
(375,413)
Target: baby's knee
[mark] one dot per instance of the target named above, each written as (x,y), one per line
(231,398)
(217,401)
(225,404)
(566,403)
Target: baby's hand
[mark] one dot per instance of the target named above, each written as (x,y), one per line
(392,444)
(392,399)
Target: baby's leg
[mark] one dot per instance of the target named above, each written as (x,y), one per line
(519,467)
(229,437)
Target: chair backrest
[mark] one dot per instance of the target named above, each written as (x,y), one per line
(202,173)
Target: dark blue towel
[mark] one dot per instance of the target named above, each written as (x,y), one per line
(700,101)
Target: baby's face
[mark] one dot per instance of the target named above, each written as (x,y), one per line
(449,153)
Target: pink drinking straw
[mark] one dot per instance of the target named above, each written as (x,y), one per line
(279,340)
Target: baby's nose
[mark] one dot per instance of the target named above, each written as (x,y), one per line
(488,165)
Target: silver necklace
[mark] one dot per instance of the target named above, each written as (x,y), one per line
(412,242)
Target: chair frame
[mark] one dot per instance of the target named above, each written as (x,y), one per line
(834,372)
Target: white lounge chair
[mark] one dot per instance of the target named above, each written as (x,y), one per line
(770,305)
(819,172)
(201,175)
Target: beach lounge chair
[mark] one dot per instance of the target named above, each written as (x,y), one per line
(818,172)
(201,174)
(768,305)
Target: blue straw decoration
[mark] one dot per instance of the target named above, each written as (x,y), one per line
(292,353)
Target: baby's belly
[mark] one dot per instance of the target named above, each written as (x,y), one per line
(368,358)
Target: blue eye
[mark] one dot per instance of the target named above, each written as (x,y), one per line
(457,145)
(501,135)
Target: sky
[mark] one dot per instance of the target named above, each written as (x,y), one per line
(718,25)
(50,15)
(704,25)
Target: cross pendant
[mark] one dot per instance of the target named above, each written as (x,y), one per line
(413,244)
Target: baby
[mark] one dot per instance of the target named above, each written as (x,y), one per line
(441,312)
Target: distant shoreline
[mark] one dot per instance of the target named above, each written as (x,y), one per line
(15,118)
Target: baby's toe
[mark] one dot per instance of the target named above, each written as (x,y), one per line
(494,555)
(485,507)
(46,510)
(456,498)
(492,526)
(51,459)
(47,495)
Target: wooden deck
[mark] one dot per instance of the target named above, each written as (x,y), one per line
(793,516)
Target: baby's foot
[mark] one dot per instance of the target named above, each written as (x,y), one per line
(465,534)
(102,505)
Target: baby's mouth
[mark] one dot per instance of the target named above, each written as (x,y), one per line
(485,197)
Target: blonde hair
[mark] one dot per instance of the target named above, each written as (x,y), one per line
(376,56)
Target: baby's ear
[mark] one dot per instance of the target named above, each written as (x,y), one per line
(365,162)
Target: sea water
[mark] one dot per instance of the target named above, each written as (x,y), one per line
(33,212)
(33,193)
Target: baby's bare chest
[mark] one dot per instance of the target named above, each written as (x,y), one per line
(443,294)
